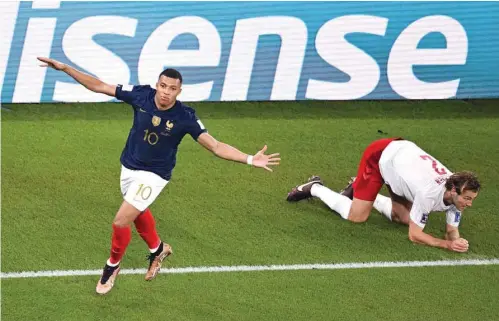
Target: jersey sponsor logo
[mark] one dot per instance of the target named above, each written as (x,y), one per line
(457,217)
(142,110)
(156,121)
(424,218)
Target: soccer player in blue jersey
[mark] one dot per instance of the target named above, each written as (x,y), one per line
(160,122)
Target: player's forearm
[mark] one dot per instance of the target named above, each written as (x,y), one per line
(90,82)
(228,152)
(452,235)
(426,239)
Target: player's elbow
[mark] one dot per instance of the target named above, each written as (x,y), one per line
(216,148)
(413,237)
(415,233)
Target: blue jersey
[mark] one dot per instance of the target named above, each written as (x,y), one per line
(155,134)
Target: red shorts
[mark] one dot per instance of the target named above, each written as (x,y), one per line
(369,181)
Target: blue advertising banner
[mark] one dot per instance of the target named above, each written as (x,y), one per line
(233,51)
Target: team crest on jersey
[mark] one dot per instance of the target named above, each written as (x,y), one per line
(457,218)
(156,121)
(168,128)
(424,218)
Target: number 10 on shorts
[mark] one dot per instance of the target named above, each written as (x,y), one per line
(143,192)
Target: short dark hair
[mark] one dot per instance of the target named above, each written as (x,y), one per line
(171,73)
(463,181)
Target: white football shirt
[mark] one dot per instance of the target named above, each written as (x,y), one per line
(418,177)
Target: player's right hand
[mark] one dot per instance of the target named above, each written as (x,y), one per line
(52,63)
(459,245)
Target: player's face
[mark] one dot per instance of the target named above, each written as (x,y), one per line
(463,200)
(167,90)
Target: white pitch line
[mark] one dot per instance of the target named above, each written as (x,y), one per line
(250,268)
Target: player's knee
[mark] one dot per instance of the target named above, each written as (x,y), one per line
(120,222)
(404,220)
(398,217)
(126,215)
(358,217)
(360,210)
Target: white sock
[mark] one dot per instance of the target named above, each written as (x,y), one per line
(154,250)
(110,264)
(383,205)
(337,202)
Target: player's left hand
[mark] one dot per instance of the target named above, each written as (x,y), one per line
(52,63)
(263,161)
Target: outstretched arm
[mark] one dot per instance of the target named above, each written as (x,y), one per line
(228,152)
(90,82)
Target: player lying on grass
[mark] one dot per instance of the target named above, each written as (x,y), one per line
(418,185)
(160,123)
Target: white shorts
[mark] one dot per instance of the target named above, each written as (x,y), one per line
(140,188)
